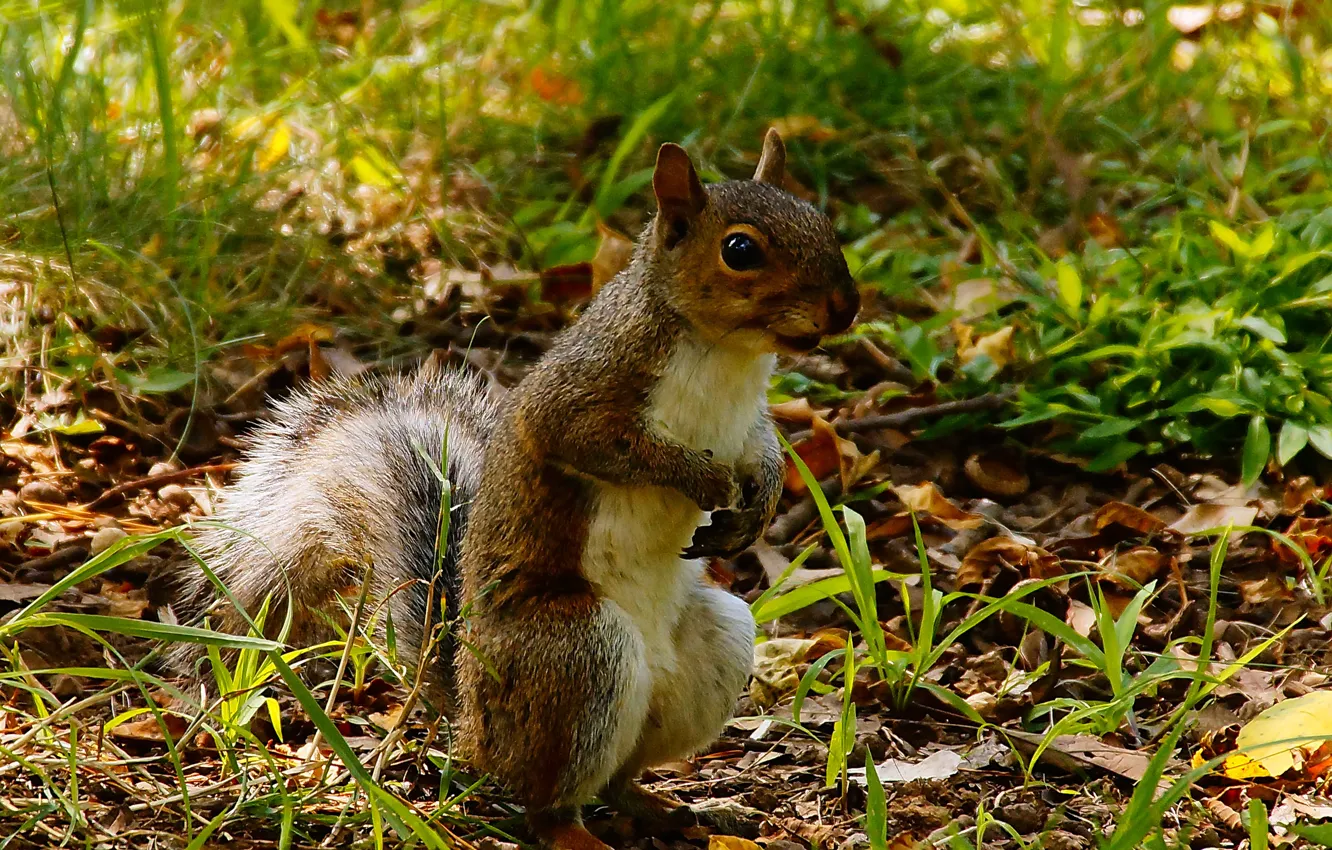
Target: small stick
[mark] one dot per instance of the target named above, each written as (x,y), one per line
(989,401)
(54,561)
(789,524)
(153,480)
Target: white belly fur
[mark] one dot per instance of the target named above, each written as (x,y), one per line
(708,398)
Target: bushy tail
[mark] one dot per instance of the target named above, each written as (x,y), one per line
(346,480)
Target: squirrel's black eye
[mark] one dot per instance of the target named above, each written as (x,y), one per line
(741,252)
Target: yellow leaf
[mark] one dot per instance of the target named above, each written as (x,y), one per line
(278,145)
(1240,766)
(998,346)
(370,167)
(730,842)
(1279,739)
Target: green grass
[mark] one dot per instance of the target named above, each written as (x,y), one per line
(178,142)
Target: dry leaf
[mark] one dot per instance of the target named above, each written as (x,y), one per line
(825,452)
(1264,590)
(388,720)
(928,499)
(998,346)
(980,562)
(614,252)
(775,668)
(1200,518)
(1282,737)
(554,88)
(1135,567)
(972,299)
(937,765)
(562,284)
(797,411)
(996,475)
(1120,513)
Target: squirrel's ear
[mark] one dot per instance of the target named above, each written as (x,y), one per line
(772,163)
(680,194)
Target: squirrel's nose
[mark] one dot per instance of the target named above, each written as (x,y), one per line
(843,304)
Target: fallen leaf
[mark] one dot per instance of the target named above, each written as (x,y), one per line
(826,452)
(996,475)
(572,282)
(938,765)
(1120,513)
(614,252)
(21,591)
(1200,518)
(1281,738)
(928,499)
(388,720)
(554,88)
(1075,752)
(972,299)
(1135,567)
(775,668)
(796,411)
(998,346)
(980,561)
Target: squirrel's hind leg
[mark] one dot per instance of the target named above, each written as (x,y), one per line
(714,651)
(552,698)
(714,646)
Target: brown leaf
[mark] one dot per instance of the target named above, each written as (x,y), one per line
(1075,753)
(981,560)
(927,498)
(1201,518)
(1135,567)
(146,729)
(996,476)
(319,368)
(614,252)
(826,452)
(803,126)
(572,282)
(16,591)
(554,88)
(388,720)
(1128,516)
(1105,229)
(1264,590)
(998,346)
(796,411)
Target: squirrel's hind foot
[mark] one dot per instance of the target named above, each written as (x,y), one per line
(562,830)
(659,811)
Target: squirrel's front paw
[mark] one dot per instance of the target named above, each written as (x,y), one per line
(716,487)
(732,531)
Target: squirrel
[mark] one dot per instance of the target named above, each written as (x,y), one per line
(584,643)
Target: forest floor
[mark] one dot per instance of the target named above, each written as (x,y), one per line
(1077,442)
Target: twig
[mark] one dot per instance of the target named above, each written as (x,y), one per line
(154,480)
(989,401)
(789,524)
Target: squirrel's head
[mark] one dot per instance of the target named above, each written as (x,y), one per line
(746,260)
